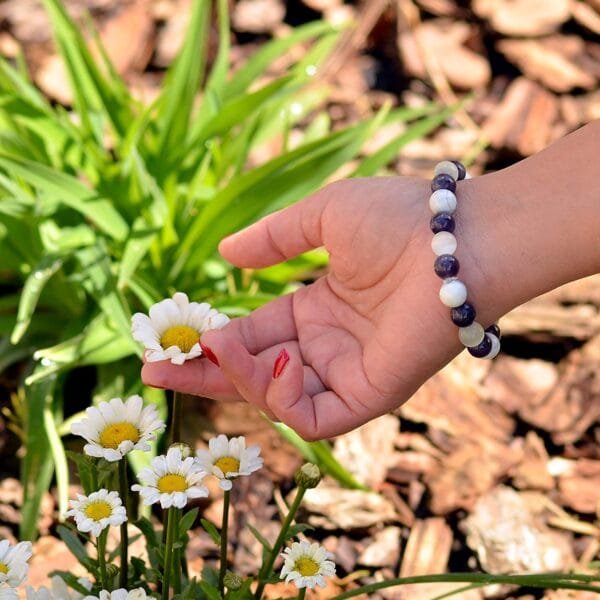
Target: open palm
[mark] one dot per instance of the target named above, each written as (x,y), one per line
(360,340)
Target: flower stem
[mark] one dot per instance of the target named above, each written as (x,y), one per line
(267,567)
(177,555)
(301,594)
(168,566)
(102,558)
(175,432)
(224,528)
(124,491)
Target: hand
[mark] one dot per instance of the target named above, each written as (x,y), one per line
(361,339)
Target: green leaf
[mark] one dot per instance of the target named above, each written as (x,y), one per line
(42,272)
(92,91)
(260,61)
(372,164)
(71,580)
(85,470)
(212,531)
(187,521)
(181,84)
(69,191)
(297,528)
(264,542)
(320,454)
(37,467)
(147,529)
(75,546)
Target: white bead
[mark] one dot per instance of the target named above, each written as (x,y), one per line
(442,201)
(495,347)
(443,242)
(472,335)
(453,292)
(447,167)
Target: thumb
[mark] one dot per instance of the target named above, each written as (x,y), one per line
(279,236)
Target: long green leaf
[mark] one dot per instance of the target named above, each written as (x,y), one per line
(71,192)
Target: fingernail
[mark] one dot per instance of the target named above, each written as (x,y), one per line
(206,351)
(282,359)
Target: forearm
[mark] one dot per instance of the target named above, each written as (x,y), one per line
(536,225)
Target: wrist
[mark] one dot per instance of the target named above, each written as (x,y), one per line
(532,227)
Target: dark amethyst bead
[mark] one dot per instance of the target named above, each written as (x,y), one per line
(462,172)
(446,265)
(443,181)
(494,330)
(442,222)
(463,315)
(482,349)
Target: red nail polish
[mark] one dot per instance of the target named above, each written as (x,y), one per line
(206,351)
(282,359)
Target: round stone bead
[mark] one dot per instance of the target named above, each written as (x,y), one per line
(442,222)
(443,243)
(443,181)
(442,201)
(446,265)
(463,315)
(495,346)
(462,172)
(448,167)
(472,335)
(453,292)
(482,349)
(494,330)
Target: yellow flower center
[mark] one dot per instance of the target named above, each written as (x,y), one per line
(182,336)
(3,568)
(172,483)
(98,510)
(306,566)
(115,433)
(228,464)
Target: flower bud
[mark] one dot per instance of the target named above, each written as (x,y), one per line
(233,581)
(112,571)
(183,448)
(308,476)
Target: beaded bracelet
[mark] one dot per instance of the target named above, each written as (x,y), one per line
(480,342)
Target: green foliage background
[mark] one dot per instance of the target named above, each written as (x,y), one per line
(114,205)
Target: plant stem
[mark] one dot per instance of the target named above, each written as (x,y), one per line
(101,547)
(124,491)
(177,555)
(168,566)
(266,569)
(175,432)
(301,594)
(224,528)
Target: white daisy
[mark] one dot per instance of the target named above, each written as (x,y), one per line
(115,428)
(227,459)
(307,565)
(171,480)
(13,562)
(59,590)
(173,329)
(121,594)
(8,594)
(97,511)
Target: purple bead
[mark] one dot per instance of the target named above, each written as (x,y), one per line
(462,172)
(446,265)
(443,181)
(463,315)
(482,349)
(442,222)
(494,330)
